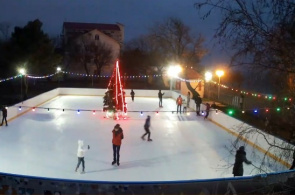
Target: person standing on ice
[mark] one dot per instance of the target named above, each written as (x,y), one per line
(132,95)
(188,99)
(117,140)
(207,110)
(80,154)
(146,126)
(198,102)
(240,158)
(179,103)
(160,95)
(4,115)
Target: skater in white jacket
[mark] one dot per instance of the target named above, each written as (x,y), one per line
(80,154)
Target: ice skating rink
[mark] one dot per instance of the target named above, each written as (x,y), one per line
(44,143)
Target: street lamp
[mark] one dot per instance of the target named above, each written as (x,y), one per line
(173,72)
(22,72)
(219,73)
(208,77)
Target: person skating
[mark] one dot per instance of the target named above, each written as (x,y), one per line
(293,164)
(80,154)
(117,140)
(4,115)
(179,104)
(240,158)
(207,110)
(132,95)
(146,126)
(198,102)
(160,95)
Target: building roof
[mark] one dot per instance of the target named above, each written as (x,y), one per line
(90,26)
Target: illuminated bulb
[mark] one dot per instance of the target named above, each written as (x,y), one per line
(202,112)
(188,113)
(141,113)
(266,110)
(20,108)
(93,112)
(255,111)
(157,113)
(125,113)
(33,109)
(78,112)
(243,111)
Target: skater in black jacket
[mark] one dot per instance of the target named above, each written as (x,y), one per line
(160,95)
(4,115)
(198,102)
(240,158)
(147,128)
(132,95)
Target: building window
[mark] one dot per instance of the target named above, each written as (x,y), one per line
(96,37)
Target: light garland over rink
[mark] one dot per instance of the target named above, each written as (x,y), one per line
(141,112)
(258,95)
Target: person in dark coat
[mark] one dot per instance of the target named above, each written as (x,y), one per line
(240,158)
(117,140)
(160,95)
(198,102)
(293,164)
(207,110)
(132,95)
(146,126)
(4,115)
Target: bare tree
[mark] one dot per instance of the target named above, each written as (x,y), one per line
(261,33)
(173,40)
(101,55)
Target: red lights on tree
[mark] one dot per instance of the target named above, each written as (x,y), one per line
(114,99)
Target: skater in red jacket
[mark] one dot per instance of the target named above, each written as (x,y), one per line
(117,139)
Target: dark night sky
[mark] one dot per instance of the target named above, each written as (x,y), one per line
(136,15)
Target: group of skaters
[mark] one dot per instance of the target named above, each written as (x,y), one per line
(116,141)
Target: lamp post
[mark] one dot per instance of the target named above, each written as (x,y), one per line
(58,70)
(208,77)
(219,73)
(22,72)
(173,72)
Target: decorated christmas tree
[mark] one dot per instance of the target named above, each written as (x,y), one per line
(114,100)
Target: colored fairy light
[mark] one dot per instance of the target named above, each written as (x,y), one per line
(255,110)
(78,112)
(20,108)
(274,98)
(278,109)
(266,110)
(290,99)
(269,97)
(230,112)
(243,111)
(141,113)
(202,112)
(285,99)
(93,112)
(33,109)
(157,113)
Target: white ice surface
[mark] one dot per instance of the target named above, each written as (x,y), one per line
(43,143)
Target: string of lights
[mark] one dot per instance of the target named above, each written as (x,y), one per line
(258,95)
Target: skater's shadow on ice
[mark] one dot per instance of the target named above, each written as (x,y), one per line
(39,117)
(141,163)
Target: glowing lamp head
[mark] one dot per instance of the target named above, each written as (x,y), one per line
(20,108)
(93,112)
(141,113)
(157,113)
(173,71)
(22,71)
(33,109)
(78,111)
(219,73)
(58,69)
(208,76)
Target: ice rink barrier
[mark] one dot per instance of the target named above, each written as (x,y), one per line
(275,183)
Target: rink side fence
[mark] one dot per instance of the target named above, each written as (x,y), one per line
(221,185)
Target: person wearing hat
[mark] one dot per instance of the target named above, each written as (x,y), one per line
(240,158)
(146,126)
(4,115)
(117,140)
